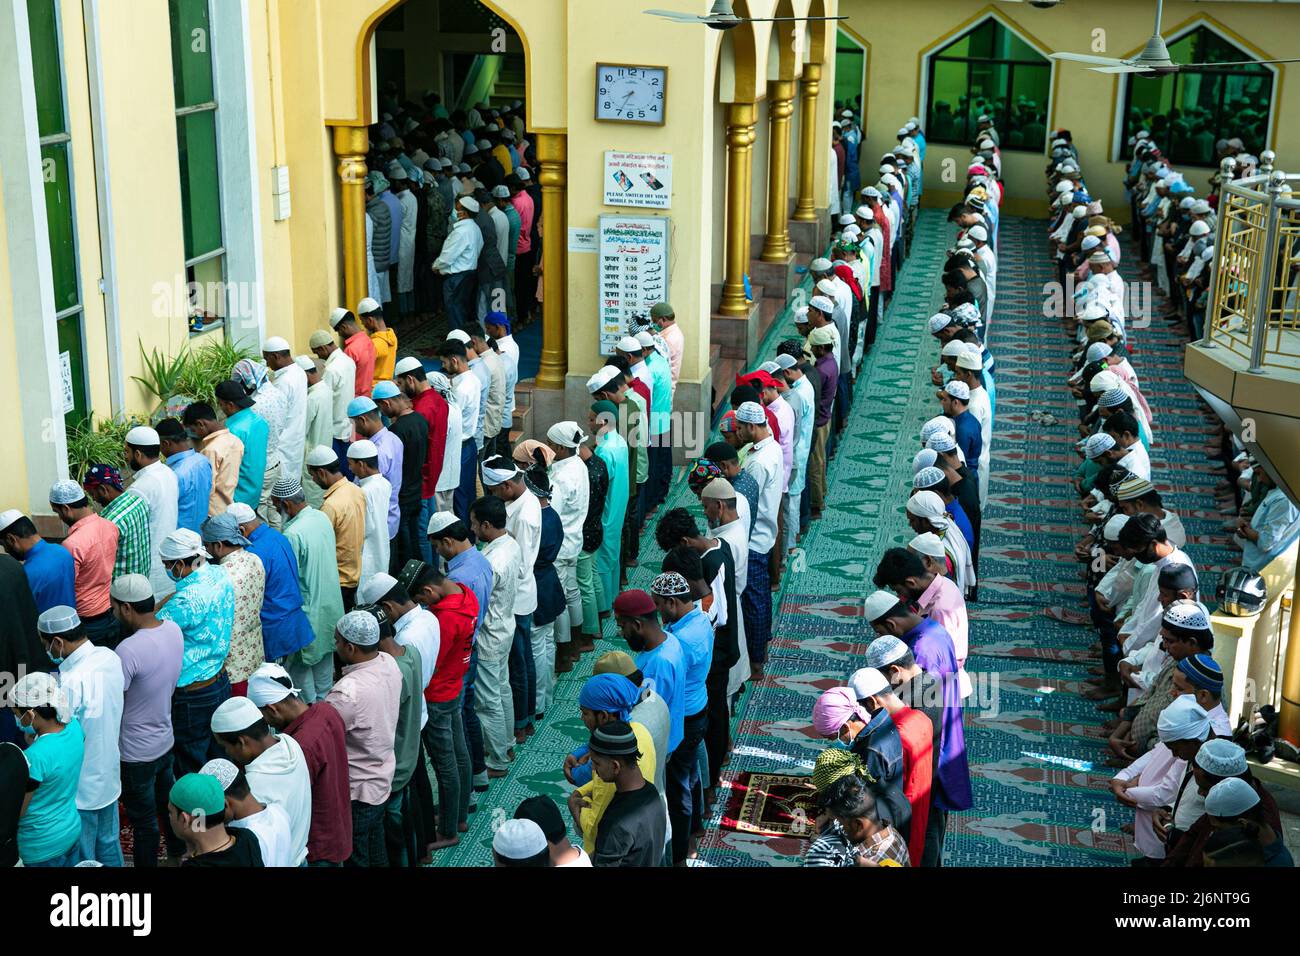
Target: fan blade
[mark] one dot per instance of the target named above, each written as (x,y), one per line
(675,15)
(782,19)
(1121,68)
(1207,66)
(1087,58)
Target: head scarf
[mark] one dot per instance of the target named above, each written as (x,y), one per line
(252,375)
(525,453)
(834,709)
(611,693)
(1183,719)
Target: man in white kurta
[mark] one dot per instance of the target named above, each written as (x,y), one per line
(363,458)
(156,484)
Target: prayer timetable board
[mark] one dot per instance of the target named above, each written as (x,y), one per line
(633,258)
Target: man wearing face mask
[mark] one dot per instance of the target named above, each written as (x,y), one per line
(90,678)
(839,715)
(49,828)
(151,652)
(203,607)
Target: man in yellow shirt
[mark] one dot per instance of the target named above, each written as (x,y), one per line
(385,339)
(345,506)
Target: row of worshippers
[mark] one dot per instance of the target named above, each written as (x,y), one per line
(453,214)
(882,797)
(902,166)
(1158,677)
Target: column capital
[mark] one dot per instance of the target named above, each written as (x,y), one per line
(350,141)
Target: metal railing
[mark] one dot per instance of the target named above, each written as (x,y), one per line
(1254,302)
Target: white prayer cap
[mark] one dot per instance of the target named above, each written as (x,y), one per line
(942,442)
(241,512)
(1113,397)
(1199,228)
(751,413)
(971,359)
(1114,526)
(1058,142)
(142,436)
(940,423)
(822,336)
(826,286)
(1064,186)
(234,714)
(59,619)
(9,517)
(264,687)
(408,364)
(38,689)
(375,588)
(985,144)
(493,476)
(275,344)
(320,456)
(1103,382)
(362,448)
(902,132)
(928,477)
(846,219)
(878,604)
(964,243)
(645,340)
(368,306)
(926,504)
(885,650)
(221,768)
(1221,757)
(953,348)
(1183,719)
(1191,615)
(360,628)
(785,361)
(958,390)
(801,315)
(1200,207)
(305,362)
(566,434)
(519,840)
(939,321)
(524,174)
(628,343)
(1068,168)
(468,203)
(868,682)
(458,335)
(822,304)
(1090,242)
(983,118)
(1230,798)
(337,316)
(601,378)
(500,192)
(1097,445)
(66,492)
(769,367)
(1187,202)
(871,192)
(130,588)
(928,543)
(180,544)
(864,211)
(925,458)
(1097,351)
(439,521)
(978,234)
(820,265)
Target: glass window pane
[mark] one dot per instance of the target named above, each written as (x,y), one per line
(191,52)
(947,119)
(988,88)
(47,66)
(58,212)
(1245,108)
(1011,47)
(196,135)
(849,72)
(69,334)
(1026,117)
(206,282)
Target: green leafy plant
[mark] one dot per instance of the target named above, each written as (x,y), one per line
(207,367)
(103,443)
(161,373)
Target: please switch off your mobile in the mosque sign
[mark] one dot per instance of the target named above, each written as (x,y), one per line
(638,179)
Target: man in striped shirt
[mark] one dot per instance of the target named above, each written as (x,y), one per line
(127,510)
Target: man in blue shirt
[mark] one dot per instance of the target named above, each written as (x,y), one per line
(251,429)
(466,565)
(49,568)
(285,625)
(955,399)
(193,474)
(691,628)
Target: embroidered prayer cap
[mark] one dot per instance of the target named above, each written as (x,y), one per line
(971,359)
(785,361)
(1183,719)
(66,492)
(958,390)
(1189,615)
(878,604)
(39,689)
(234,714)
(671,585)
(440,520)
(941,441)
(102,475)
(1095,446)
(1133,487)
(59,619)
(868,682)
(198,793)
(884,651)
(953,348)
(822,304)
(320,337)
(360,628)
(939,321)
(928,477)
(287,487)
(519,840)
(1202,671)
(702,472)
(1220,757)
(1100,257)
(321,456)
(362,448)
(1098,351)
(270,684)
(940,423)
(1113,397)
(927,543)
(751,413)
(925,458)
(1230,798)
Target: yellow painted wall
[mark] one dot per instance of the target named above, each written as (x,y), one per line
(1083,102)
(13,490)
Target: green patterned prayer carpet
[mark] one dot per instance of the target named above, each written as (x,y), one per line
(1035,745)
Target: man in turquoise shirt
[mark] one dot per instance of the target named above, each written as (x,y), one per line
(661,409)
(252,430)
(49,828)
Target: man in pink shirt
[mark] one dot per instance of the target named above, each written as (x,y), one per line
(525,258)
(934,596)
(358,347)
(367,698)
(663,316)
(92,540)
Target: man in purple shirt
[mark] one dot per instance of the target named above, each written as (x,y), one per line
(365,419)
(823,349)
(150,652)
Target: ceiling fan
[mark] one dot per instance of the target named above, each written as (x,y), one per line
(722,16)
(1153,60)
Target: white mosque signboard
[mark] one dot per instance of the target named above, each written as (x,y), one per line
(638,179)
(633,264)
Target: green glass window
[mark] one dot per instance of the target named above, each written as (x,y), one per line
(1187,111)
(850,74)
(989,70)
(56,177)
(196,143)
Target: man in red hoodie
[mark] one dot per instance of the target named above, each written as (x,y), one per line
(456,609)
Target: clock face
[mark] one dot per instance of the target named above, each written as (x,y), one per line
(631,94)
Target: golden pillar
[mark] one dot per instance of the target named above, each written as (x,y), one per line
(806,209)
(1288,725)
(552,153)
(780,107)
(350,148)
(740,142)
